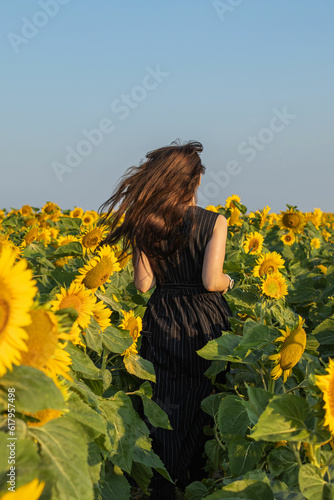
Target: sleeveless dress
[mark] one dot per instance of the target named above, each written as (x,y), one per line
(180,318)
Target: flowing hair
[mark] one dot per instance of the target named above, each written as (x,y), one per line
(154,198)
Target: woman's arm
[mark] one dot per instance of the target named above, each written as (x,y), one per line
(143,275)
(212,272)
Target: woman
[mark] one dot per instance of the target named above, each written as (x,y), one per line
(179,248)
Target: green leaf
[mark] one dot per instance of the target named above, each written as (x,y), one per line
(283,465)
(82,364)
(115,486)
(258,400)
(63,445)
(214,452)
(142,368)
(91,422)
(121,422)
(211,403)
(27,461)
(312,485)
(69,223)
(195,491)
(283,419)
(245,489)
(243,297)
(154,413)
(34,391)
(259,338)
(72,249)
(108,299)
(62,277)
(93,336)
(116,339)
(142,475)
(232,418)
(244,455)
(215,368)
(221,348)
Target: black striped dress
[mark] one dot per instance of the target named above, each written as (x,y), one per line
(181,317)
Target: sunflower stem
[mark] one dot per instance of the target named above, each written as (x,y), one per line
(296,453)
(262,367)
(313,458)
(324,471)
(104,359)
(271,385)
(217,437)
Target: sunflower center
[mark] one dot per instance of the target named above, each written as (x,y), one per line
(99,274)
(291,220)
(288,238)
(31,235)
(42,341)
(4,314)
(91,240)
(254,244)
(331,396)
(267,267)
(132,326)
(292,349)
(272,288)
(71,301)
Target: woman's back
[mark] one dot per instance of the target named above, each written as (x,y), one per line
(185,266)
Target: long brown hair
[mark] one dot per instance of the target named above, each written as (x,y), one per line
(154,198)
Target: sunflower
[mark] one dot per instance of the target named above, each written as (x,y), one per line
(326,234)
(92,237)
(80,299)
(291,350)
(268,263)
(212,208)
(123,260)
(77,213)
(31,221)
(134,325)
(315,243)
(315,217)
(99,269)
(89,217)
(50,208)
(44,416)
(45,352)
(26,210)
(229,202)
(293,220)
(101,314)
(6,242)
(289,238)
(235,212)
(326,385)
(274,286)
(64,240)
(253,243)
(30,236)
(264,214)
(17,292)
(29,491)
(322,268)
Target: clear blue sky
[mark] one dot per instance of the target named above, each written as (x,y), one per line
(251,80)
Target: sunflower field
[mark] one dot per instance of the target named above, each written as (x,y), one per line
(76,396)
